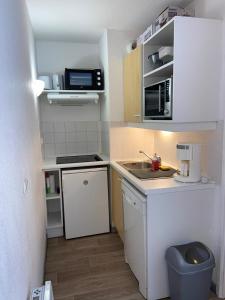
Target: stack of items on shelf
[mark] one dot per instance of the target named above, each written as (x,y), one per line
(165,16)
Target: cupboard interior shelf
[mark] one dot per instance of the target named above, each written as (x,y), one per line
(165,70)
(164,36)
(54,219)
(52,196)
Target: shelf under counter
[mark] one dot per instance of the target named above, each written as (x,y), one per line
(54,220)
(52,196)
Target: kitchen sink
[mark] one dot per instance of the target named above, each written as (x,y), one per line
(137,165)
(142,170)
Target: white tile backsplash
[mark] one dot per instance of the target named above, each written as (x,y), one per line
(59,127)
(70,126)
(48,138)
(81,148)
(92,136)
(81,136)
(60,137)
(47,126)
(60,149)
(81,126)
(72,137)
(92,126)
(71,148)
(49,150)
(92,147)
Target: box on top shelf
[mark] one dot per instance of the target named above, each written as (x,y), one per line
(146,34)
(164,17)
(169,13)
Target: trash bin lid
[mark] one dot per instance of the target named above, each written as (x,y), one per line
(190,258)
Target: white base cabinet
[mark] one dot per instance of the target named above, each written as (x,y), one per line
(171,218)
(176,218)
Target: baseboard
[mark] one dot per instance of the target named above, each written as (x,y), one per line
(113,229)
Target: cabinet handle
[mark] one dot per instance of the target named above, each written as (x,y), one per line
(137,116)
(85,182)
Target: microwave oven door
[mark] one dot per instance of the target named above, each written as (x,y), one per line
(77,79)
(155,101)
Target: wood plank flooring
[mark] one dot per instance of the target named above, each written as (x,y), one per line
(90,268)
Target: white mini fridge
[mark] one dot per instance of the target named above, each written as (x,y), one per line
(86,203)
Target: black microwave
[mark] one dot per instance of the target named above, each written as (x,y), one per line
(80,79)
(158,100)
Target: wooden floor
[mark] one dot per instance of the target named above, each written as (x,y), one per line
(90,268)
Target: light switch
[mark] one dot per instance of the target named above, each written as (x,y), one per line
(25,186)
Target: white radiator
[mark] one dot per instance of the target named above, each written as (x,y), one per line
(43,293)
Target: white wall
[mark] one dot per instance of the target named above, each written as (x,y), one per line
(22,221)
(211,149)
(117,42)
(113,48)
(54,57)
(104,64)
(126,143)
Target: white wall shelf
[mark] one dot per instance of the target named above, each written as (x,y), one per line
(165,70)
(73,91)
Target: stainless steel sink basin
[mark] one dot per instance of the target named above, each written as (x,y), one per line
(137,165)
(142,170)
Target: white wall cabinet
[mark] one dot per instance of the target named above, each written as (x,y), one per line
(196,67)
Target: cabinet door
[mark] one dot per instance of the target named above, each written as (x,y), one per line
(133,86)
(117,203)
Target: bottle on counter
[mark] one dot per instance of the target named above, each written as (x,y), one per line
(159,160)
(155,163)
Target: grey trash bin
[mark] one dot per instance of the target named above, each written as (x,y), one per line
(190,269)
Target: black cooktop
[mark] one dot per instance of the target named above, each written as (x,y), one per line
(77,159)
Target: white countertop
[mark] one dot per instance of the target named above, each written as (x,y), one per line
(50,164)
(146,187)
(163,185)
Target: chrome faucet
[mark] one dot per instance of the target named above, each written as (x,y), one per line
(142,152)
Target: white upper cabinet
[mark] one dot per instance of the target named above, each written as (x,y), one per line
(195,68)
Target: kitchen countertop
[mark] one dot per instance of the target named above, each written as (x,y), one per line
(50,164)
(163,185)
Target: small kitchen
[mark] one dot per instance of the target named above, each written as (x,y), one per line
(131,133)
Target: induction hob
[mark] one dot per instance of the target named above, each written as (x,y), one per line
(77,159)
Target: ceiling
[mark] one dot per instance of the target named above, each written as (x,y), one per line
(85,20)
